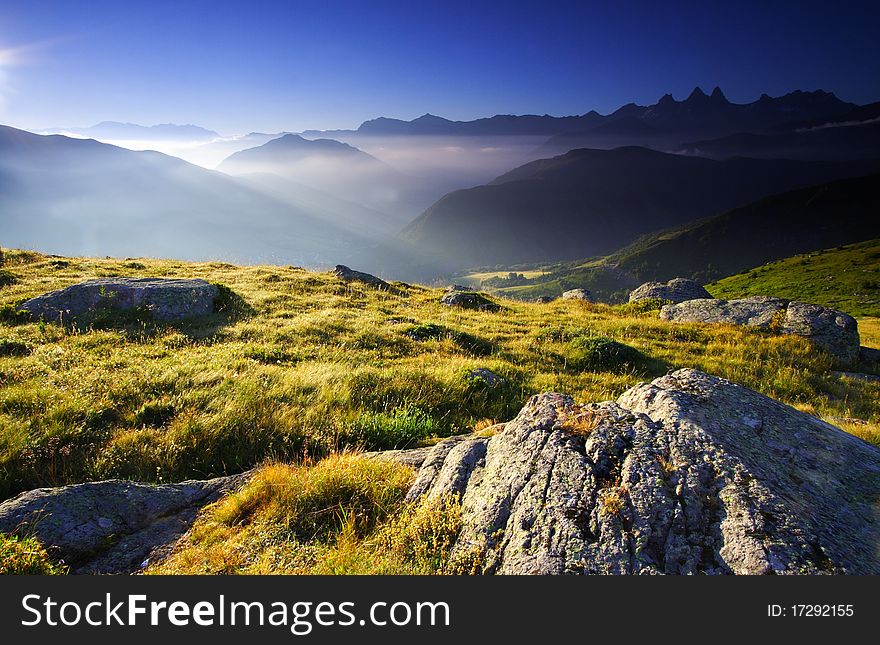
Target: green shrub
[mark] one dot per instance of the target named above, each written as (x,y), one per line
(155,414)
(467,342)
(13,348)
(26,557)
(598,354)
(7,278)
(401,428)
(12,315)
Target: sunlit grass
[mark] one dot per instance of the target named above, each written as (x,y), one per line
(308,365)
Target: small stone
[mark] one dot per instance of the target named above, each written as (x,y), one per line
(578,294)
(487,376)
(468,300)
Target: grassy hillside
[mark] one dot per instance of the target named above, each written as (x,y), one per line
(297,365)
(845,278)
(839,212)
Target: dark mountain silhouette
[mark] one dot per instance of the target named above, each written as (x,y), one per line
(591,202)
(668,119)
(78,196)
(818,217)
(700,116)
(854,134)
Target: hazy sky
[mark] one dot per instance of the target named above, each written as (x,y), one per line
(270,66)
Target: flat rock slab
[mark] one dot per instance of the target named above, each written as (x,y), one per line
(110,526)
(676,290)
(832,330)
(163,298)
(689,474)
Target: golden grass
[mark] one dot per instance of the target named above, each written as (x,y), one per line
(308,365)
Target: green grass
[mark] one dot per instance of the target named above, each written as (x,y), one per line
(297,364)
(26,557)
(845,278)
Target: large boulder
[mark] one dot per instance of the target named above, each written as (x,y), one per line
(676,290)
(110,526)
(832,330)
(690,474)
(350,275)
(578,294)
(164,299)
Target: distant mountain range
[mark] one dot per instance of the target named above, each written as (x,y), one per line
(114,130)
(710,115)
(590,202)
(81,197)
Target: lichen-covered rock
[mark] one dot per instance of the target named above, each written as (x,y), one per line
(350,275)
(468,300)
(163,299)
(578,294)
(110,526)
(488,377)
(676,290)
(688,474)
(832,330)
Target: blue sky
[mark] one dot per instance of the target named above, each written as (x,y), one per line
(270,66)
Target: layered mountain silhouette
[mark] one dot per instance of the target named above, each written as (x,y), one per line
(851,135)
(818,217)
(591,202)
(78,196)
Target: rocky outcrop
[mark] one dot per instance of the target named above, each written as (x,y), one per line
(578,294)
(163,299)
(468,300)
(111,526)
(832,330)
(676,290)
(688,474)
(350,275)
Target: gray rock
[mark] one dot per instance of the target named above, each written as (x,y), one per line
(869,356)
(350,275)
(164,298)
(543,300)
(676,290)
(468,300)
(578,294)
(688,474)
(111,526)
(833,331)
(489,377)
(459,287)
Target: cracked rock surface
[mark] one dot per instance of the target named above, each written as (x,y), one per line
(111,526)
(688,474)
